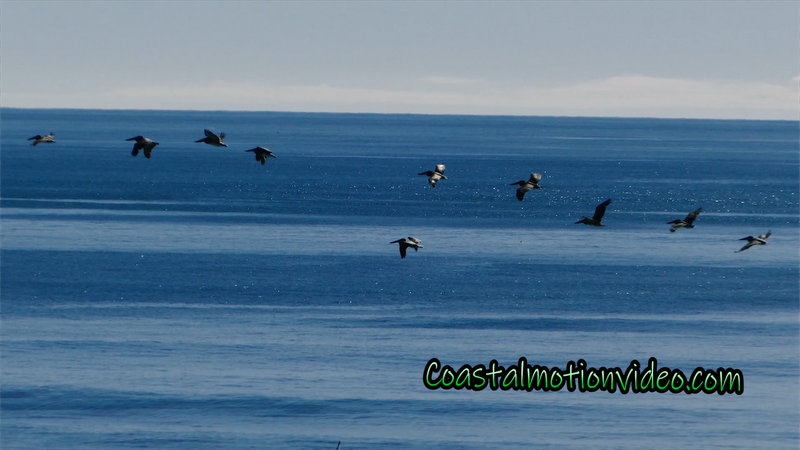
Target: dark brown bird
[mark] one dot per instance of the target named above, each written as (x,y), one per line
(405,243)
(751,241)
(262,154)
(687,222)
(213,139)
(434,175)
(598,215)
(142,143)
(525,186)
(46,139)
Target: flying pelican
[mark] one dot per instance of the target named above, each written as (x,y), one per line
(687,222)
(405,243)
(598,215)
(213,139)
(262,154)
(751,241)
(46,139)
(143,143)
(434,175)
(525,186)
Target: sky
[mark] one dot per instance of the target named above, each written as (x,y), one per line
(719,59)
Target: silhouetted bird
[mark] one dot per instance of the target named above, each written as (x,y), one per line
(213,139)
(687,222)
(434,175)
(598,215)
(405,243)
(46,139)
(751,241)
(262,154)
(525,186)
(142,143)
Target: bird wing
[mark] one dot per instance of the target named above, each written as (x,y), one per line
(403,246)
(210,134)
(764,236)
(693,215)
(601,210)
(521,193)
(135,138)
(37,137)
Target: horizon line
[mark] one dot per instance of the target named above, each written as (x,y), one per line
(564,116)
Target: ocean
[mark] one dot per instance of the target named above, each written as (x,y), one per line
(200,299)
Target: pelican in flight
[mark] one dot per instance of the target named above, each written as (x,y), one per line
(213,139)
(687,222)
(598,215)
(405,243)
(262,154)
(46,139)
(525,186)
(142,143)
(751,241)
(434,175)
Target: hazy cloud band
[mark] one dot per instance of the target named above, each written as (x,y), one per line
(621,96)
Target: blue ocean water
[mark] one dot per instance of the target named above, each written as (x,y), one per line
(199,299)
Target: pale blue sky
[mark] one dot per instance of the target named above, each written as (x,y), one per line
(655,59)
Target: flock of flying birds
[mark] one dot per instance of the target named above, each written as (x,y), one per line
(434,176)
(147,144)
(596,220)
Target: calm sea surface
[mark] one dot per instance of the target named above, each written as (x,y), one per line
(199,299)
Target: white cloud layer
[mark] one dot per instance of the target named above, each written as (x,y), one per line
(620,96)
